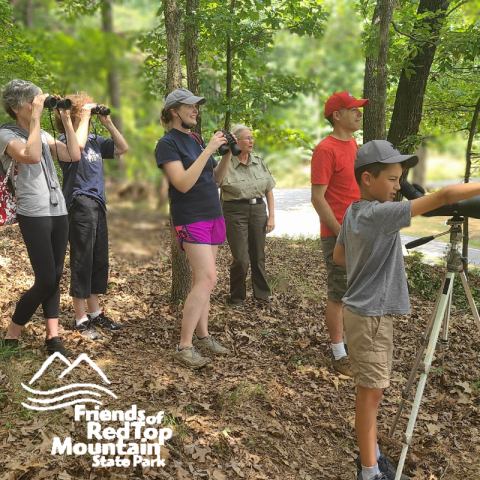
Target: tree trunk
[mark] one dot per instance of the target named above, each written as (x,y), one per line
(181,272)
(420,170)
(191,55)
(407,112)
(386,12)
(229,72)
(370,81)
(468,166)
(113,77)
(28,18)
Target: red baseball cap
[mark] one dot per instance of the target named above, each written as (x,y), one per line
(343,100)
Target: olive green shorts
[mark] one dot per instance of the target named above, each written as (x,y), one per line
(336,274)
(370,348)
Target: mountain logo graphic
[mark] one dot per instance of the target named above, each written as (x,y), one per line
(49,400)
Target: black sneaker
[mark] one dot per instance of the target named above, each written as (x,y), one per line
(55,345)
(8,349)
(104,322)
(86,329)
(385,466)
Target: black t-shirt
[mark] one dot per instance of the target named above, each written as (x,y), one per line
(201,202)
(86,176)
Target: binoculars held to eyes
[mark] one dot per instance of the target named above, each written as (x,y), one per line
(98,110)
(52,102)
(231,145)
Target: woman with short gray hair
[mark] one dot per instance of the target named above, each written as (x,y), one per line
(247,181)
(41,210)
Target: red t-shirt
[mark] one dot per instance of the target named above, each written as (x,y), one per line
(332,164)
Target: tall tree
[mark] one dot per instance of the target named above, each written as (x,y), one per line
(407,111)
(113,75)
(375,79)
(191,54)
(181,272)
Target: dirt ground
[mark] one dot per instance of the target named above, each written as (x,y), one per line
(274,409)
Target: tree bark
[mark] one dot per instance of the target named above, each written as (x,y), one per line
(29,14)
(229,72)
(113,78)
(386,12)
(370,82)
(468,165)
(191,55)
(407,112)
(181,272)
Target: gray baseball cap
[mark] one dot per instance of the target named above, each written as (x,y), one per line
(381,151)
(182,95)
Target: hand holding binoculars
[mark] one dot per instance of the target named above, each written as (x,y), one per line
(52,102)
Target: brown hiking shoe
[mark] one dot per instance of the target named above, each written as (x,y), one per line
(210,343)
(342,366)
(190,357)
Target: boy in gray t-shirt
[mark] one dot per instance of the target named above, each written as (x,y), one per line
(370,248)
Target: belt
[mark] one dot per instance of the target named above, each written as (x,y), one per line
(251,201)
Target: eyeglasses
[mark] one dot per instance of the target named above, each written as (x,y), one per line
(191,107)
(248,139)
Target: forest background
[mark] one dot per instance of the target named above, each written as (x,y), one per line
(287,58)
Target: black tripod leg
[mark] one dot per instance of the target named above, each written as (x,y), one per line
(418,360)
(471,302)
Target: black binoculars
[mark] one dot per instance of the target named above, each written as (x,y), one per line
(52,102)
(98,110)
(231,145)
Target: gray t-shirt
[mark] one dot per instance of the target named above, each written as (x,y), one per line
(376,280)
(33,197)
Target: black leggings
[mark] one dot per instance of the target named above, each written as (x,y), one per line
(46,241)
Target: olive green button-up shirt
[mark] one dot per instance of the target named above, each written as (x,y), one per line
(243,182)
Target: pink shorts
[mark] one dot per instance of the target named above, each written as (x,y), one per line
(211,232)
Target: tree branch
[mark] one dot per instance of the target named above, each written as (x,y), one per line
(411,36)
(457,6)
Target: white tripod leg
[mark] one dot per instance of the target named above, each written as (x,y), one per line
(446,295)
(471,302)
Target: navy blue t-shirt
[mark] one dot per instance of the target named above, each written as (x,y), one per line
(201,202)
(86,176)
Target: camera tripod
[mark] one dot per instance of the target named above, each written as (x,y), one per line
(439,320)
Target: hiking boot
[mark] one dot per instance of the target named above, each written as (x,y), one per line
(190,357)
(104,322)
(9,349)
(210,343)
(385,466)
(342,366)
(380,476)
(86,329)
(55,345)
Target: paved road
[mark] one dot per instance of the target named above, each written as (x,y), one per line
(295,216)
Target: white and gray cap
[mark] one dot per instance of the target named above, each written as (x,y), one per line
(182,95)
(382,151)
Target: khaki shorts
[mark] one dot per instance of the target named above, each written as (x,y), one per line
(336,274)
(370,348)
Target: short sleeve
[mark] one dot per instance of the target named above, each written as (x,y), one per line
(6,136)
(393,216)
(323,165)
(106,146)
(271,181)
(166,151)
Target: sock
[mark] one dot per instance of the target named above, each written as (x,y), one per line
(95,314)
(369,473)
(79,321)
(338,350)
(377,452)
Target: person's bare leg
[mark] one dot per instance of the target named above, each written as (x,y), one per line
(13,331)
(51,325)
(79,307)
(334,321)
(93,304)
(202,261)
(366,407)
(202,325)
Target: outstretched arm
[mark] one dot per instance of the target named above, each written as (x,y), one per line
(120,143)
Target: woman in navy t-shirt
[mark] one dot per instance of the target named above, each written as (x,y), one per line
(197,215)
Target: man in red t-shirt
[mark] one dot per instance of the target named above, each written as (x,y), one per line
(333,189)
